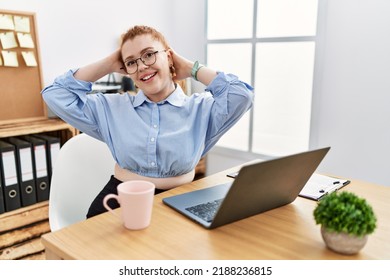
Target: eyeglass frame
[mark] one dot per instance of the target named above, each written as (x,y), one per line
(140,58)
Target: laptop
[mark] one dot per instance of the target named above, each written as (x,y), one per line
(258,187)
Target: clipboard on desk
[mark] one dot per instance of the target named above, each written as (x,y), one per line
(317,187)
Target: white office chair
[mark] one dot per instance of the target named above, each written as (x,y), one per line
(83,167)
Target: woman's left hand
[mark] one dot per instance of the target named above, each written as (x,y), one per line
(182,65)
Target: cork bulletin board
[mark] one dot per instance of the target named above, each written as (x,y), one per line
(20,69)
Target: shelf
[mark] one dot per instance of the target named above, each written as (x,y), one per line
(41,126)
(21,231)
(22,228)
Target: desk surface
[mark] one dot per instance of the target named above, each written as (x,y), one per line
(288,232)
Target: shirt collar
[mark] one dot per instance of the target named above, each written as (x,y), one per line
(176,98)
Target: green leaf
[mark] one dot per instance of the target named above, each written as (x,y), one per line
(345,212)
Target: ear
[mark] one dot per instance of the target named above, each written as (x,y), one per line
(170,55)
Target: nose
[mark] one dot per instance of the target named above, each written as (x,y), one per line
(141,65)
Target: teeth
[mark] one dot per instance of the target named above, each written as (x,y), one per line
(147,77)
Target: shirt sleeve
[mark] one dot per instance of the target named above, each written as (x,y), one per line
(232,98)
(67,98)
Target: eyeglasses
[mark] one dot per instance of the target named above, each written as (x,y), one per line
(148,58)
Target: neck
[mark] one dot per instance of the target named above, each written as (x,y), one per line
(163,95)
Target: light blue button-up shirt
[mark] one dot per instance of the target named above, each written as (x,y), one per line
(151,139)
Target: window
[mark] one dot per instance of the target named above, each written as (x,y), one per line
(271,45)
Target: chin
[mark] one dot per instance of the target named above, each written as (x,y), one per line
(151,90)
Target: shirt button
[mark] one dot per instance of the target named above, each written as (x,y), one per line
(155,125)
(152,163)
(152,139)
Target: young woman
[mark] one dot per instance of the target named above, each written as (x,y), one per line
(159,134)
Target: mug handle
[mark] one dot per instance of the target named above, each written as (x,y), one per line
(106,199)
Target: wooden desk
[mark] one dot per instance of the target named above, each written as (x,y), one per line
(288,232)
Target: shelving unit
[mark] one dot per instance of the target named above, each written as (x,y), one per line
(21,229)
(23,112)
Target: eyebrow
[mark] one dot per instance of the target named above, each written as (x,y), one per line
(141,53)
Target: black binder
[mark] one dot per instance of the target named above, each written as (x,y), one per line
(39,167)
(52,150)
(25,169)
(2,206)
(11,192)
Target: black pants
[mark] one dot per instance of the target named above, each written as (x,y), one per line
(97,207)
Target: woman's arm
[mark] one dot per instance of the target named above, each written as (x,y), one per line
(68,96)
(95,71)
(231,97)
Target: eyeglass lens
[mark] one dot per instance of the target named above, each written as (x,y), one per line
(148,58)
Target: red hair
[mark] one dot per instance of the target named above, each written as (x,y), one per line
(138,30)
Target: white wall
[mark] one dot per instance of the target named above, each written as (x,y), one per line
(352,94)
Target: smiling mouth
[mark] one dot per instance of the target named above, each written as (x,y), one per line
(148,77)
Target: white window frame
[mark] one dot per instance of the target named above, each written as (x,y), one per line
(254,40)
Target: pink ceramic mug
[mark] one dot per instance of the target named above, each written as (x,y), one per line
(136,201)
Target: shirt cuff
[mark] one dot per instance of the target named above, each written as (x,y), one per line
(74,84)
(221,81)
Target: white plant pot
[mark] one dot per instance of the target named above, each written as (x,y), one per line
(343,243)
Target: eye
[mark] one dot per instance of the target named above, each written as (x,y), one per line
(130,63)
(148,55)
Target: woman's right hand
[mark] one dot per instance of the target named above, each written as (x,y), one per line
(117,63)
(95,71)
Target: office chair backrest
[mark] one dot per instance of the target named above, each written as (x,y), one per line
(83,167)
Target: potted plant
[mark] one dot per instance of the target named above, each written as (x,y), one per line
(346,220)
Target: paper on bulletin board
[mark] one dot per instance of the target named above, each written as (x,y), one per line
(8,40)
(10,58)
(6,22)
(25,40)
(22,24)
(29,58)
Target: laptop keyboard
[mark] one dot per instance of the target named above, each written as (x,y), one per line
(206,211)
